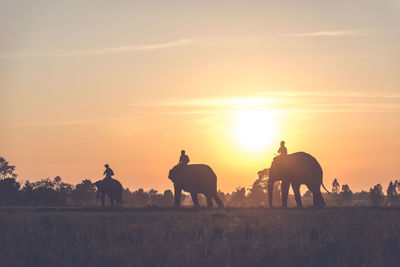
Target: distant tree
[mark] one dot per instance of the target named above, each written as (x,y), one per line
(391,193)
(346,195)
(140,198)
(224,197)
(361,198)
(6,170)
(84,192)
(154,197)
(168,198)
(44,193)
(376,195)
(27,192)
(9,191)
(257,195)
(335,187)
(238,197)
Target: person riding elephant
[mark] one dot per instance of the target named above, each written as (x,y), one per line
(282,149)
(183,159)
(108,172)
(296,169)
(195,178)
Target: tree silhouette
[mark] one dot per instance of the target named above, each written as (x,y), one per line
(346,195)
(238,198)
(335,187)
(6,170)
(257,195)
(84,192)
(9,191)
(391,193)
(376,195)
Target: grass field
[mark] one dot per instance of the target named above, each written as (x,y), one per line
(219,237)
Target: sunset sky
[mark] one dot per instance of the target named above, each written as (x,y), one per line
(131,83)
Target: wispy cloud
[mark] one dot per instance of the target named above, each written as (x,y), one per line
(131,48)
(334,33)
(108,50)
(280,101)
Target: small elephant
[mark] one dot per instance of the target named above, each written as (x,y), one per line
(110,187)
(195,178)
(296,169)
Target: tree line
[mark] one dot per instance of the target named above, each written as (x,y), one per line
(56,192)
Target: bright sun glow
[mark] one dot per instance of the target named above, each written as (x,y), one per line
(254,129)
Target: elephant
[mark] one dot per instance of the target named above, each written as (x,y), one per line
(110,187)
(195,178)
(296,169)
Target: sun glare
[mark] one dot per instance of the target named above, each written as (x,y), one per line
(254,129)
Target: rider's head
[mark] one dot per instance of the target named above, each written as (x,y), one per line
(183,152)
(106,165)
(282,143)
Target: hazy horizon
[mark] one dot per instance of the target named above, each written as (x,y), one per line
(133,83)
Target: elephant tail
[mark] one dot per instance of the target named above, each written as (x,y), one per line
(325,188)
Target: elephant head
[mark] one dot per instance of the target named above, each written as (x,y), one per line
(172,173)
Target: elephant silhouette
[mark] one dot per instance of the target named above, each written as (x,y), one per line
(110,187)
(195,178)
(296,169)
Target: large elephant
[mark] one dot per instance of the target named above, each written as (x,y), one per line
(195,178)
(110,187)
(296,169)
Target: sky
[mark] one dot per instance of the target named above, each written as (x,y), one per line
(131,83)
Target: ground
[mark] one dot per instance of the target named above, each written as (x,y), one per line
(200,237)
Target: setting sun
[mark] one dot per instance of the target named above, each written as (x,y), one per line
(254,129)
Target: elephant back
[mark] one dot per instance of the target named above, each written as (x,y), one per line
(111,186)
(298,164)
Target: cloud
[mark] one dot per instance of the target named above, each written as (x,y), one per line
(288,101)
(108,50)
(132,48)
(336,33)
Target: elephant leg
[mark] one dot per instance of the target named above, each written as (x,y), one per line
(296,190)
(285,192)
(103,200)
(209,201)
(195,199)
(119,201)
(218,200)
(111,201)
(178,192)
(318,199)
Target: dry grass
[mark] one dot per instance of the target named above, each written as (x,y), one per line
(220,237)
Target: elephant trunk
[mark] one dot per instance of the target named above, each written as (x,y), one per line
(270,191)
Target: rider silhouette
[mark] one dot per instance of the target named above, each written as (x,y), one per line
(282,149)
(108,172)
(184,159)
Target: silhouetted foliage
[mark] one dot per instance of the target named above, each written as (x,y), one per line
(346,194)
(6,170)
(9,191)
(393,193)
(257,194)
(238,197)
(376,195)
(335,187)
(84,192)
